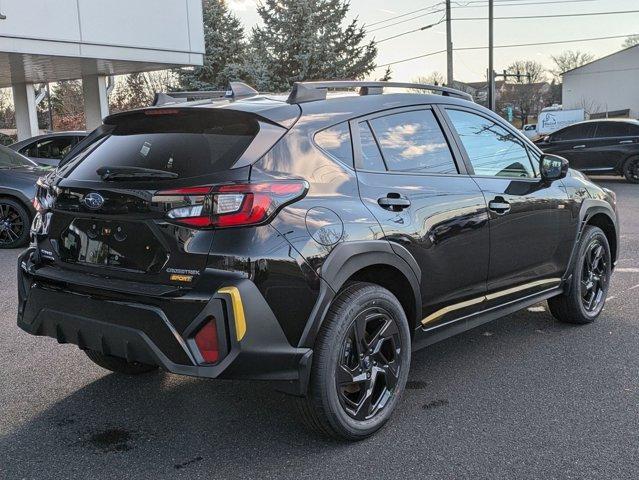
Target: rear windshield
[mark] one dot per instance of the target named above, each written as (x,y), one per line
(189,143)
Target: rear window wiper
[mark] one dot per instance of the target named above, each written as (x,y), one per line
(113,174)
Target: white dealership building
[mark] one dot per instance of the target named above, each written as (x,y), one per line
(605,87)
(44,41)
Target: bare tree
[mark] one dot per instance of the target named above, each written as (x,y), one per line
(568,60)
(435,78)
(589,105)
(529,93)
(535,69)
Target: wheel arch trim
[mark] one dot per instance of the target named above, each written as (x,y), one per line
(17,195)
(346,260)
(589,208)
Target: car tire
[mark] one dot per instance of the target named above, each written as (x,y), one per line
(365,337)
(119,365)
(586,295)
(631,169)
(15,224)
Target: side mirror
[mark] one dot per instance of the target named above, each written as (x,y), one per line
(546,139)
(553,167)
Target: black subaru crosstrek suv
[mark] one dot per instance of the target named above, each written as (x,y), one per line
(313,241)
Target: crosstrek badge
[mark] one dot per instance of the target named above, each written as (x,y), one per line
(180,271)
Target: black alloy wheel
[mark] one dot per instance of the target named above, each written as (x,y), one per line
(585,296)
(631,170)
(14,224)
(594,276)
(361,359)
(370,364)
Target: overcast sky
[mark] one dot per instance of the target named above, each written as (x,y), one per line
(472,65)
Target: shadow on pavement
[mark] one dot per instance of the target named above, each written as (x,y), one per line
(161,424)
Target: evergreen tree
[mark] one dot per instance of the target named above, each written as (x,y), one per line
(137,90)
(388,75)
(307,40)
(225,50)
(67,102)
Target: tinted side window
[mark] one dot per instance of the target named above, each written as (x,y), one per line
(54,148)
(616,129)
(575,132)
(30,150)
(337,141)
(493,151)
(371,156)
(413,142)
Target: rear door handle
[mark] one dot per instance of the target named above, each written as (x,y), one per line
(577,147)
(499,206)
(394,202)
(623,142)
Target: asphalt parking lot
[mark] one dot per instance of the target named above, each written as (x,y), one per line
(522,397)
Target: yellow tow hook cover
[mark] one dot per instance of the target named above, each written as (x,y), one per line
(238,310)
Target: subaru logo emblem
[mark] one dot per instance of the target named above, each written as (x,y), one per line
(93,200)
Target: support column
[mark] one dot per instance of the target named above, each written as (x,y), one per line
(96,103)
(26,113)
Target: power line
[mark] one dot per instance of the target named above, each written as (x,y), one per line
(433,9)
(402,15)
(508,18)
(558,42)
(549,43)
(412,58)
(505,3)
(512,3)
(421,29)
(407,20)
(559,15)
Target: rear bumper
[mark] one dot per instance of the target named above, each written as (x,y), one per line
(145,328)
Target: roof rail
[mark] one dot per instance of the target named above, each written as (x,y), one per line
(236,90)
(312,91)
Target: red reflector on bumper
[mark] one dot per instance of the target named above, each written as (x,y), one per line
(206,341)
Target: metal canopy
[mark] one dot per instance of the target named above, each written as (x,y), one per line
(29,68)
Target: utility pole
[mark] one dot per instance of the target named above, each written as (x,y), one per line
(491,66)
(449,46)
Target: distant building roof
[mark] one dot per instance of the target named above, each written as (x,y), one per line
(483,85)
(602,58)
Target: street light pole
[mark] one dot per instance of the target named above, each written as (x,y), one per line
(449,46)
(491,66)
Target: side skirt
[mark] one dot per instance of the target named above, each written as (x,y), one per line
(428,336)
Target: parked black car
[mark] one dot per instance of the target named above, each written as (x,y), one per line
(50,148)
(18,176)
(598,146)
(310,241)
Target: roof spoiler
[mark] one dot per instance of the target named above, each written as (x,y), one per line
(235,90)
(312,91)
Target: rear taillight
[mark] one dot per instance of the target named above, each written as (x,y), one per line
(207,342)
(233,205)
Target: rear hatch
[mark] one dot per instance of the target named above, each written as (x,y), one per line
(130,205)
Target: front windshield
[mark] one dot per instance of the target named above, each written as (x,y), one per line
(11,159)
